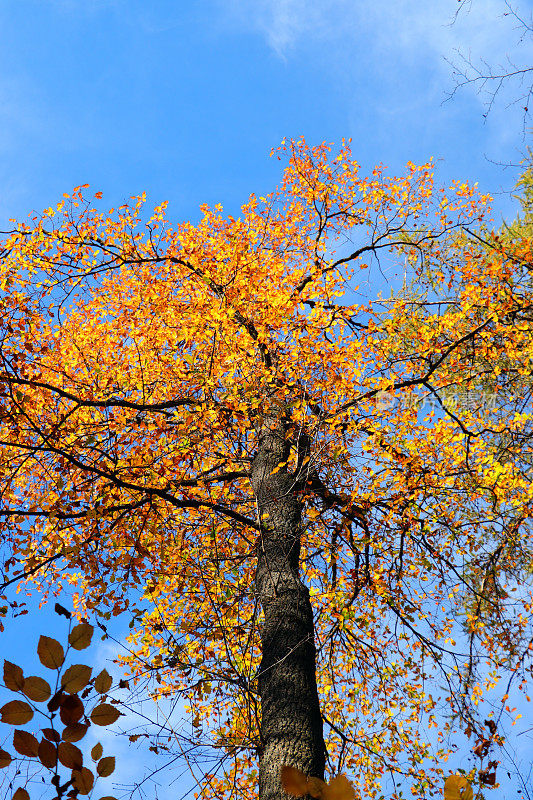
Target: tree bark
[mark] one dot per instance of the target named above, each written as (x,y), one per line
(291,723)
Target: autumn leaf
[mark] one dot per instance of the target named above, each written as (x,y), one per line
(51,734)
(96,752)
(103,682)
(36,688)
(70,755)
(294,781)
(71,709)
(16,712)
(50,652)
(5,759)
(74,732)
(25,743)
(47,753)
(13,676)
(104,714)
(83,780)
(75,678)
(339,788)
(21,794)
(457,787)
(106,766)
(80,636)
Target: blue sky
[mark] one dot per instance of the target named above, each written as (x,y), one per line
(186,100)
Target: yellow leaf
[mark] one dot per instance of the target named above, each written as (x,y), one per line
(457,787)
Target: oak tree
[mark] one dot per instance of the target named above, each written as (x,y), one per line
(274,441)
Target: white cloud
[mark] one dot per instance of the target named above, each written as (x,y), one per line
(404,31)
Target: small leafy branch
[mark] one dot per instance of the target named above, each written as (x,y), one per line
(66,718)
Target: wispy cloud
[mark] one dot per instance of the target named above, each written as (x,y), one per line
(404,31)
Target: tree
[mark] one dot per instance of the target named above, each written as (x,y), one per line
(491,80)
(289,481)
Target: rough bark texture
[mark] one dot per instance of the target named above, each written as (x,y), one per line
(291,727)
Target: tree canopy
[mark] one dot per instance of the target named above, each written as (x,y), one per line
(293,447)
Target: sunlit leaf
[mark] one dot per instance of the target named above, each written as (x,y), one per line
(457,787)
(339,788)
(294,781)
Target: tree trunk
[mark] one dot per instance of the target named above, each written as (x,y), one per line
(291,723)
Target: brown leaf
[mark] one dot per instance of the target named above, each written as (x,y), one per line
(71,710)
(103,682)
(106,766)
(62,611)
(80,636)
(25,743)
(74,732)
(339,788)
(96,752)
(51,734)
(70,755)
(316,788)
(47,753)
(50,652)
(54,703)
(21,794)
(13,676)
(294,781)
(83,780)
(105,714)
(5,759)
(17,712)
(75,678)
(36,688)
